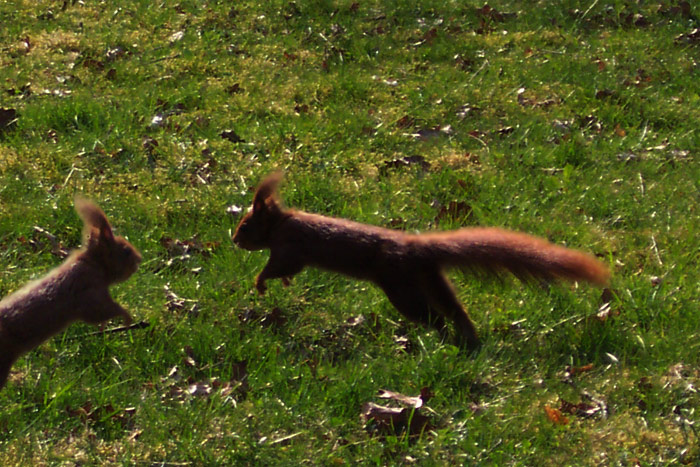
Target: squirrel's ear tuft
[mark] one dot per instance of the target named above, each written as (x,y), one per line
(94,220)
(266,193)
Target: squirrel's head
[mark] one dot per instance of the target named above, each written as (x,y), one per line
(254,230)
(115,255)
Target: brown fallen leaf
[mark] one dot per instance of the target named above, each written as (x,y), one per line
(231,136)
(594,407)
(390,420)
(405,161)
(8,117)
(693,37)
(274,318)
(177,247)
(454,210)
(176,303)
(555,416)
(199,389)
(574,370)
(410,401)
(571,371)
(393,420)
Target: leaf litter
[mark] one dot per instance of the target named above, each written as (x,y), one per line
(410,418)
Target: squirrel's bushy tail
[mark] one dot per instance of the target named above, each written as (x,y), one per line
(496,250)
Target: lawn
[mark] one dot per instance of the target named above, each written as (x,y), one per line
(575,121)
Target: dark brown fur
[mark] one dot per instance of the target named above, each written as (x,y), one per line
(77,290)
(407,267)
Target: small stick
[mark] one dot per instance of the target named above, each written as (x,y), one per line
(139,325)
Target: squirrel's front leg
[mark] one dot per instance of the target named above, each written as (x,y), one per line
(280,265)
(5,365)
(99,307)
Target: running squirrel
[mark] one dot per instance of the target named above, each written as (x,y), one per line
(407,267)
(77,290)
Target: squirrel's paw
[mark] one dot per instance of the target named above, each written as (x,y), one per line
(127,319)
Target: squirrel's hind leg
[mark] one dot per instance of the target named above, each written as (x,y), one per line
(408,297)
(5,365)
(442,296)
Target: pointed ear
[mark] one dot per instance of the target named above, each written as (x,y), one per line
(96,225)
(266,194)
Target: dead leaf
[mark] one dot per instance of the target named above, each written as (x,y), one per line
(405,161)
(604,93)
(426,38)
(595,407)
(514,328)
(275,319)
(591,122)
(284,440)
(464,63)
(176,247)
(234,210)
(525,101)
(619,131)
(454,210)
(57,248)
(404,343)
(693,37)
(149,145)
(235,88)
(466,110)
(425,134)
(604,312)
(390,420)
(355,321)
(489,13)
(555,416)
(506,130)
(681,9)
(188,360)
(572,371)
(406,121)
(8,119)
(411,401)
(176,37)
(231,136)
(115,53)
(23,91)
(199,389)
(607,295)
(635,19)
(679,155)
(600,63)
(89,413)
(176,303)
(157,121)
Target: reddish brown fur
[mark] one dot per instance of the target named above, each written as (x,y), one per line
(408,267)
(77,290)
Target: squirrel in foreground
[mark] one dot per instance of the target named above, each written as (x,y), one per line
(77,290)
(407,267)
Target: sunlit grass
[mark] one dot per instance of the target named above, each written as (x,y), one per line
(575,122)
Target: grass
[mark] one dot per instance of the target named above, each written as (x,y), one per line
(575,121)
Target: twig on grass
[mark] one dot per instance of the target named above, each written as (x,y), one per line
(139,325)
